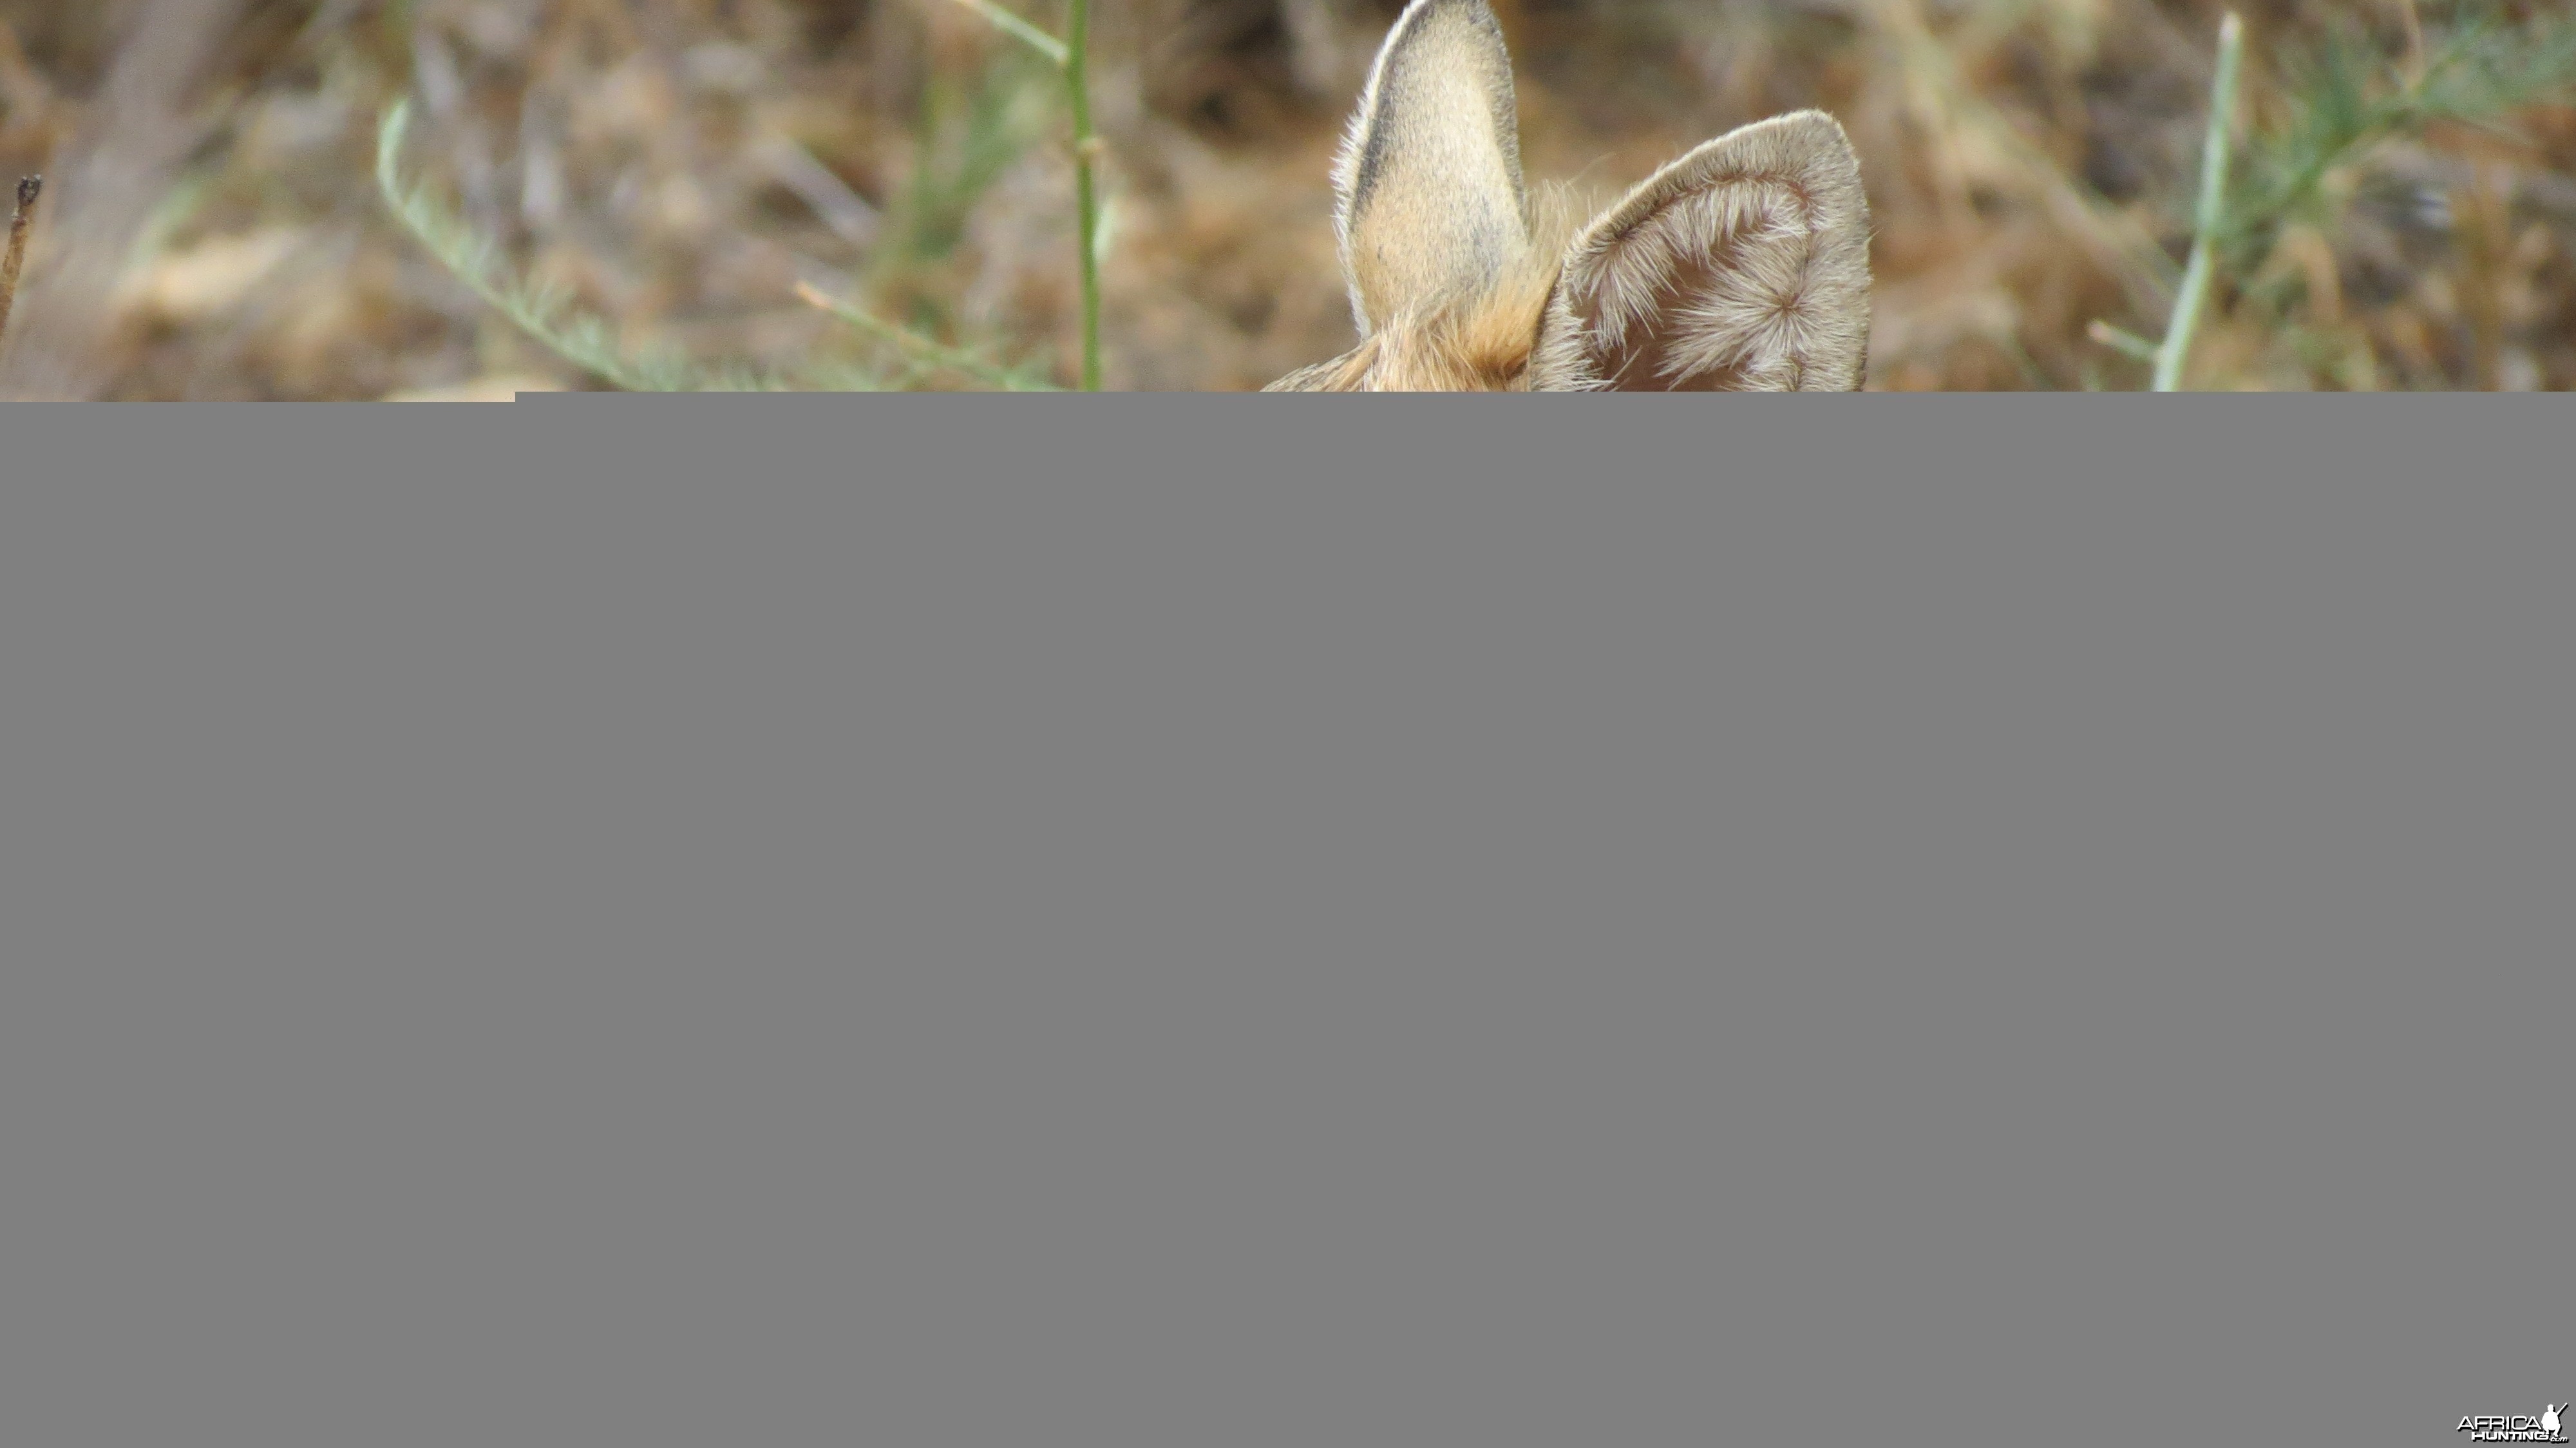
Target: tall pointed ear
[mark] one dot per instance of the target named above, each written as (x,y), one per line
(1429,181)
(1742,267)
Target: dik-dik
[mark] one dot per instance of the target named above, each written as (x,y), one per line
(1741,267)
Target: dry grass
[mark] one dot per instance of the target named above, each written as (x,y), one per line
(2406,198)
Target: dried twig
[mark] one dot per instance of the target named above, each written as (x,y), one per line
(137,131)
(29,188)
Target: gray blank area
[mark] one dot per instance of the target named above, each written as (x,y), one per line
(1193,923)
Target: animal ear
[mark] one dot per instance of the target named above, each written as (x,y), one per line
(1431,204)
(1741,267)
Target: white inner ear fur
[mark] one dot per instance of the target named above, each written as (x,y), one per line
(1744,266)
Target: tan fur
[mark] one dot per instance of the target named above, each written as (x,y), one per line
(1480,340)
(1429,180)
(1743,266)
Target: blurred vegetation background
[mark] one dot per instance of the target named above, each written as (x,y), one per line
(650,181)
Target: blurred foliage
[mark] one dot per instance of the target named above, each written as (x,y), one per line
(546,312)
(854,193)
(2343,93)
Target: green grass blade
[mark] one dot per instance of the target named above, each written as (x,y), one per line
(2211,212)
(1020,30)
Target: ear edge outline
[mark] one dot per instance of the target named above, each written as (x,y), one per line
(1810,153)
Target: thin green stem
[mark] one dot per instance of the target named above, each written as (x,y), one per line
(2211,212)
(2123,341)
(1072,56)
(546,313)
(473,259)
(1086,148)
(1016,28)
(933,353)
